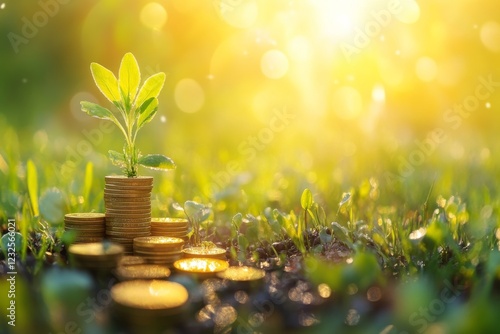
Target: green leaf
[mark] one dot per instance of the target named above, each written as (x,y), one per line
(306,199)
(129,79)
(237,220)
(106,81)
(147,111)
(157,162)
(151,88)
(117,159)
(97,111)
(32,179)
(52,206)
(196,212)
(345,198)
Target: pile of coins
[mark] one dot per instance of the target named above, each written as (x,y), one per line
(170,227)
(99,256)
(159,249)
(148,305)
(128,209)
(88,226)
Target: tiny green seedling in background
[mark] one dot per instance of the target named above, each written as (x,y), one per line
(136,107)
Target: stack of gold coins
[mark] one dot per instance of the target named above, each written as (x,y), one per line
(206,252)
(148,305)
(128,209)
(88,226)
(158,249)
(170,227)
(96,256)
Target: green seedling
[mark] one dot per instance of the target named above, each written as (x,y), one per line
(135,107)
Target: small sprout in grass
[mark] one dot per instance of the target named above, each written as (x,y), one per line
(135,107)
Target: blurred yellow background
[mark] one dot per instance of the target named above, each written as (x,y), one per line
(328,88)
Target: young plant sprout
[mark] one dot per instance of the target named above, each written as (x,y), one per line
(134,108)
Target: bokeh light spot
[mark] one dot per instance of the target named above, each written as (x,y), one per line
(2,6)
(426,69)
(153,16)
(239,14)
(490,35)
(189,95)
(274,64)
(378,93)
(347,102)
(324,290)
(409,11)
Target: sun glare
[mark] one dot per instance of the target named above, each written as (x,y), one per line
(337,18)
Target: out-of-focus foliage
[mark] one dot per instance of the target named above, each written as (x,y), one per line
(385,113)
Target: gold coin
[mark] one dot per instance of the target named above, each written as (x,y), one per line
(131,213)
(120,179)
(242,273)
(200,265)
(169,228)
(163,234)
(121,240)
(84,215)
(127,233)
(203,251)
(149,251)
(171,222)
(129,225)
(173,230)
(126,193)
(143,271)
(158,241)
(113,220)
(130,210)
(128,228)
(145,200)
(149,294)
(145,188)
(131,260)
(129,216)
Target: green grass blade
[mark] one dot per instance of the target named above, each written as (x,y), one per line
(87,183)
(32,180)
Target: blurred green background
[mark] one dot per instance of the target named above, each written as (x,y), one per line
(364,83)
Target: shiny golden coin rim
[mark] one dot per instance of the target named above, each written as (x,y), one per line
(226,274)
(196,251)
(168,220)
(84,215)
(158,241)
(223,265)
